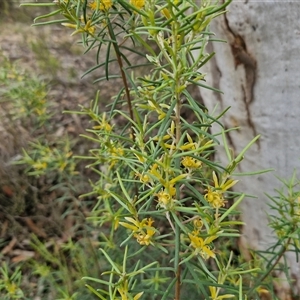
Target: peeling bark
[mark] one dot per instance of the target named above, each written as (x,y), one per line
(243,57)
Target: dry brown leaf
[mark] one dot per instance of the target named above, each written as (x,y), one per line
(9,247)
(22,255)
(4,228)
(35,229)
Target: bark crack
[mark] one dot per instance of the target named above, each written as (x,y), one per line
(244,58)
(216,83)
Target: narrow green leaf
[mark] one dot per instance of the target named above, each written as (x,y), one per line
(115,267)
(231,208)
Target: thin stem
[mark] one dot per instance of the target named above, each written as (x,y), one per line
(123,75)
(178,283)
(177,95)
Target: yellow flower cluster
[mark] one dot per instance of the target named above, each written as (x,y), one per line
(116,153)
(144,178)
(201,245)
(165,198)
(88,28)
(139,4)
(143,231)
(126,296)
(104,5)
(158,108)
(214,196)
(40,165)
(214,292)
(190,162)
(157,174)
(103,124)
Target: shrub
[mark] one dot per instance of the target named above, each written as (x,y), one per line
(162,202)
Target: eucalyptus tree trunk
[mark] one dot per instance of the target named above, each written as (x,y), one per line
(258,70)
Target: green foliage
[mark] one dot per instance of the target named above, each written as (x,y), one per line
(62,266)
(10,283)
(25,94)
(286,223)
(47,62)
(47,160)
(162,202)
(5,5)
(284,219)
(156,177)
(60,261)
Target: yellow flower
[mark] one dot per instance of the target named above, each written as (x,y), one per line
(104,5)
(263,292)
(12,288)
(165,196)
(225,185)
(154,106)
(198,224)
(93,5)
(190,162)
(139,4)
(154,172)
(144,178)
(123,291)
(191,145)
(62,166)
(144,238)
(170,189)
(117,151)
(40,165)
(143,231)
(164,199)
(215,198)
(40,111)
(103,124)
(134,226)
(214,292)
(91,29)
(201,246)
(140,158)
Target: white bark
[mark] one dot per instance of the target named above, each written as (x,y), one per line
(258,72)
